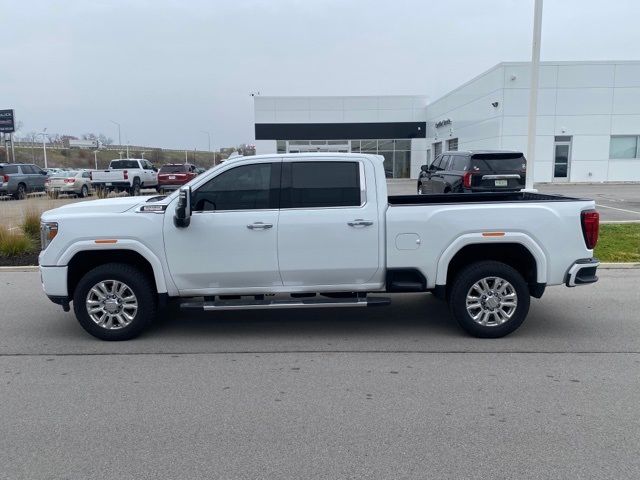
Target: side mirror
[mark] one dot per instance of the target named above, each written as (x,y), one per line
(182,216)
(155,169)
(42,172)
(424,168)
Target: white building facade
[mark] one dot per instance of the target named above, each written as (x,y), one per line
(588,124)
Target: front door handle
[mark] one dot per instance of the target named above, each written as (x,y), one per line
(359,222)
(259,226)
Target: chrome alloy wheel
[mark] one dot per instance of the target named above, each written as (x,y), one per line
(491,301)
(111,304)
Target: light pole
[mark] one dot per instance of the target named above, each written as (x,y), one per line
(533,93)
(209,144)
(119,137)
(44,145)
(95,158)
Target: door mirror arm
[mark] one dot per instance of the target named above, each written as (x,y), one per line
(182,216)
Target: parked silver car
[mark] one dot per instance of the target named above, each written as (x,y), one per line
(19,179)
(74,182)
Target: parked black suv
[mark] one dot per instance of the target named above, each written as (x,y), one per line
(474,171)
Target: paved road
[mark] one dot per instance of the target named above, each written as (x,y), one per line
(615,202)
(396,392)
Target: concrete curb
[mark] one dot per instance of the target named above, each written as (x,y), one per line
(621,265)
(605,266)
(26,268)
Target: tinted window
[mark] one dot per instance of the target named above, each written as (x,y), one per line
(28,169)
(248,187)
(8,170)
(122,164)
(36,169)
(443,162)
(459,163)
(488,164)
(321,184)
(86,175)
(173,168)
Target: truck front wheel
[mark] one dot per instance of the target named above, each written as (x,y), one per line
(489,299)
(135,188)
(115,301)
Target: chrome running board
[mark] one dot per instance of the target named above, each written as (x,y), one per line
(297,303)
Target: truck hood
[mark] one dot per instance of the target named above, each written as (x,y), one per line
(107,205)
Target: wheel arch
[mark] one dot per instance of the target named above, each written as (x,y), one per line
(515,249)
(79,259)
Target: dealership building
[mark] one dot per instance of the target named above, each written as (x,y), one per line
(588,123)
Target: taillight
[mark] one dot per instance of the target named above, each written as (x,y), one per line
(466,180)
(126,175)
(90,175)
(590,227)
(69,180)
(5,178)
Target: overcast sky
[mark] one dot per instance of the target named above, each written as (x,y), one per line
(168,69)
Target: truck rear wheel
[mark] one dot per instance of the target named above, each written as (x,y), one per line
(115,301)
(135,188)
(489,299)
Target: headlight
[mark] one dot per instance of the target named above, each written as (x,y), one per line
(48,231)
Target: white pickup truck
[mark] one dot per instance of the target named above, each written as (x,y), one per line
(127,174)
(312,230)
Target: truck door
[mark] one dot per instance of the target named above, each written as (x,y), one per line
(328,230)
(231,242)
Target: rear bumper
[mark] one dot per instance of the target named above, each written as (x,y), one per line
(582,272)
(111,184)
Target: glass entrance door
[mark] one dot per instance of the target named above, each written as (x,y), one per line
(561,159)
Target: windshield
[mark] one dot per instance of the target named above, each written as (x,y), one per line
(173,169)
(122,164)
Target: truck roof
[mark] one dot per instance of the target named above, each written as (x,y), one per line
(306,155)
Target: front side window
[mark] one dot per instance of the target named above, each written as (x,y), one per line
(321,184)
(28,169)
(247,187)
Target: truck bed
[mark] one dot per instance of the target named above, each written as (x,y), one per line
(488,197)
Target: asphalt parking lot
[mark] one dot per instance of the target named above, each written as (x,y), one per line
(395,392)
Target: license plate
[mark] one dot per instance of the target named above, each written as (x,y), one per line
(502,183)
(172,177)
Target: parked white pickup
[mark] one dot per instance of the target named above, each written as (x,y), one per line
(320,229)
(129,174)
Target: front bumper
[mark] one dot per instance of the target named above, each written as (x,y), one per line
(582,272)
(54,281)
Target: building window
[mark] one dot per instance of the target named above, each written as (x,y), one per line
(396,152)
(624,147)
(437,149)
(452,145)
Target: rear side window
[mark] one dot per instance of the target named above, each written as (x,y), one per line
(28,169)
(321,184)
(173,169)
(459,163)
(497,164)
(122,164)
(9,170)
(248,187)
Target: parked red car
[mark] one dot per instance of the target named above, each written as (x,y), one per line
(174,175)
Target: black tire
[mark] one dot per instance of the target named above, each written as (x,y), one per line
(141,286)
(21,192)
(135,188)
(84,192)
(462,285)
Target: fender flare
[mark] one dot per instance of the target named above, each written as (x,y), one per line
(120,244)
(477,238)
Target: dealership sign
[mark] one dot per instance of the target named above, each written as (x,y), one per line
(443,123)
(7,125)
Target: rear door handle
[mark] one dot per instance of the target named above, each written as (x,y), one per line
(259,226)
(359,222)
